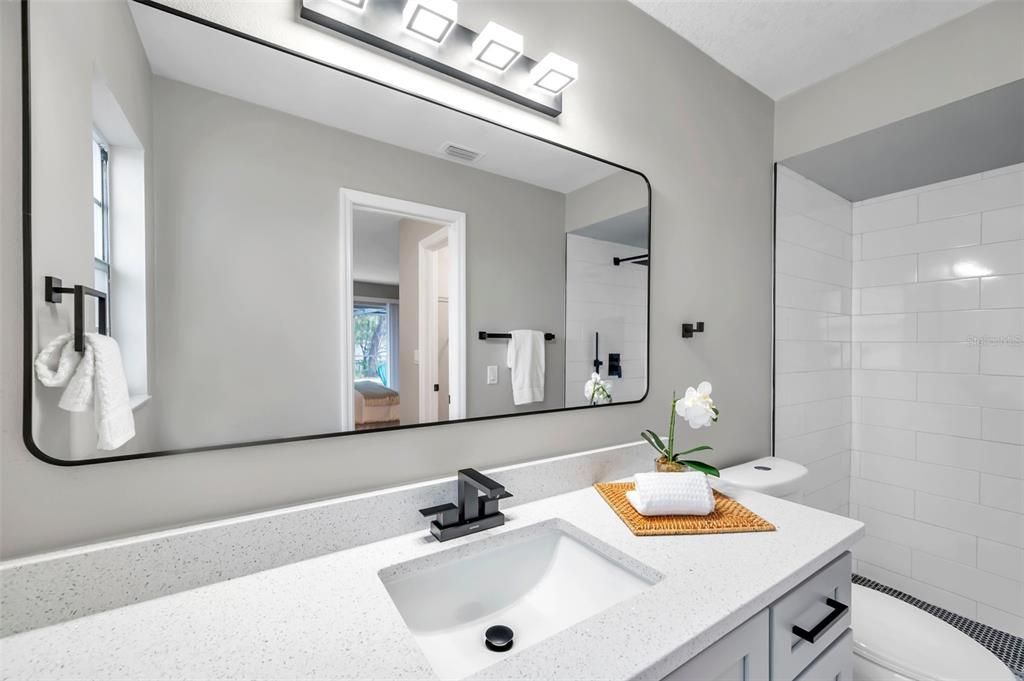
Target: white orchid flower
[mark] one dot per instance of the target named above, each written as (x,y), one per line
(697,407)
(596,390)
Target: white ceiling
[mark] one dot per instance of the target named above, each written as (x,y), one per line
(191,53)
(783,46)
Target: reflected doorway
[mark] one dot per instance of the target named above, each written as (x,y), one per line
(403,312)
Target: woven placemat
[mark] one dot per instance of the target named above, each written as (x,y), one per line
(729,515)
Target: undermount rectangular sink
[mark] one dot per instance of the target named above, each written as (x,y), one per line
(538,581)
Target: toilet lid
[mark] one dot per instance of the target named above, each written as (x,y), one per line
(909,641)
(769,474)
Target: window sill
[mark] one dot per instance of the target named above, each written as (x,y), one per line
(136,401)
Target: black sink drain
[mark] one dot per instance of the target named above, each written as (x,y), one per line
(499,638)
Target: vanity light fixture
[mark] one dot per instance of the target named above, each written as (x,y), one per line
(428,33)
(430,19)
(554,73)
(497,46)
(358,5)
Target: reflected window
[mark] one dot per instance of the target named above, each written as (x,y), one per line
(371,338)
(101,215)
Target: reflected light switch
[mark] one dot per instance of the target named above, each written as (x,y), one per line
(492,374)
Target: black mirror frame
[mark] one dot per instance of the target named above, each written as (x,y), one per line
(29,277)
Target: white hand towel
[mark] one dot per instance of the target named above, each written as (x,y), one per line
(526,360)
(94,378)
(672,494)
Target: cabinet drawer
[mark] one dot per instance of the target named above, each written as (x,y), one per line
(817,609)
(740,655)
(835,664)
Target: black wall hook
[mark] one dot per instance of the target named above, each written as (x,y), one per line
(690,329)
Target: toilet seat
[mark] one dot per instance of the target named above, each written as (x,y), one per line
(909,643)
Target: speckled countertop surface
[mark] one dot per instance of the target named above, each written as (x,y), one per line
(331,617)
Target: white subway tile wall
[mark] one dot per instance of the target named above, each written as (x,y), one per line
(900,380)
(813,302)
(609,299)
(938,393)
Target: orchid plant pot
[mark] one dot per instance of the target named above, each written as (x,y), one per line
(663,465)
(697,409)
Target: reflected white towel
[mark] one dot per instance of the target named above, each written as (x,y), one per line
(94,378)
(672,494)
(526,360)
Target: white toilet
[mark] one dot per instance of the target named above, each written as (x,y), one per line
(892,640)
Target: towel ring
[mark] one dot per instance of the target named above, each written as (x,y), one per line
(54,293)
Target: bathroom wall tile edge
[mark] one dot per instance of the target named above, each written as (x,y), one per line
(55,587)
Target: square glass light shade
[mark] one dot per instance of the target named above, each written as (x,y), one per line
(497,46)
(431,20)
(554,73)
(358,5)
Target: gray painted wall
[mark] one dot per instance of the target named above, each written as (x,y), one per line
(410,233)
(975,134)
(656,103)
(631,229)
(369,289)
(270,240)
(609,197)
(977,52)
(375,247)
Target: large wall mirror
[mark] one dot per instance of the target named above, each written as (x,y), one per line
(249,217)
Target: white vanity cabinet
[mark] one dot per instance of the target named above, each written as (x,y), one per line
(741,655)
(768,647)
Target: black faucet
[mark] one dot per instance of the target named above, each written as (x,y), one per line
(477,509)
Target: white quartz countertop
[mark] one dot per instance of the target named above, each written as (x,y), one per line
(331,617)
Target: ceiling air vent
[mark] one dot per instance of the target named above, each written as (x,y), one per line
(460,153)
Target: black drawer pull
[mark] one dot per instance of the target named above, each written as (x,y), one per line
(821,627)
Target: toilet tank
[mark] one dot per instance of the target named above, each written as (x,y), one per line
(769,475)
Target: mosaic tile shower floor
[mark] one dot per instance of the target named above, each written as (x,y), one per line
(1007,647)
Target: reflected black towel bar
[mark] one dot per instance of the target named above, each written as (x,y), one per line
(55,291)
(487,335)
(644,260)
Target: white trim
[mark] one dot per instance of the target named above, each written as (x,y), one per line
(345,374)
(457,301)
(351,199)
(427,263)
(137,401)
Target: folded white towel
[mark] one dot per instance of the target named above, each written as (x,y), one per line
(94,378)
(526,360)
(672,494)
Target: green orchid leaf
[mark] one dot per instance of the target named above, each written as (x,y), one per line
(654,436)
(701,467)
(672,426)
(699,448)
(653,440)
